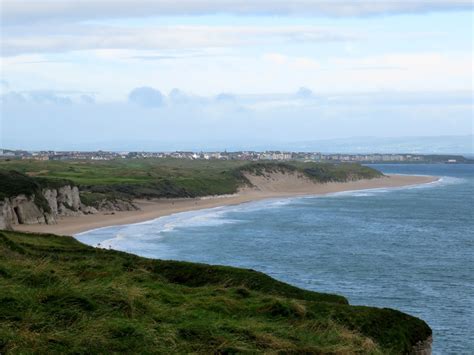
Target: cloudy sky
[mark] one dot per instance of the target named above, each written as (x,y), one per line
(142,74)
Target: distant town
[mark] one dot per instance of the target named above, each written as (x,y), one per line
(240,155)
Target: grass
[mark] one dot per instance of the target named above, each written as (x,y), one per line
(319,172)
(60,296)
(167,178)
(124,171)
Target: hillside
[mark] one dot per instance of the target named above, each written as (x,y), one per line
(169,178)
(60,296)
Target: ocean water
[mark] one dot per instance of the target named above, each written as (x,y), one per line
(409,248)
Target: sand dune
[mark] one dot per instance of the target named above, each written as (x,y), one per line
(272,185)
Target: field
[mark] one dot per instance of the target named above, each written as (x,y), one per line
(60,296)
(122,171)
(158,178)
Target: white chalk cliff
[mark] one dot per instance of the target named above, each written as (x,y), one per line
(22,209)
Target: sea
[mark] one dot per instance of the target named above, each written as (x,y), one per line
(410,248)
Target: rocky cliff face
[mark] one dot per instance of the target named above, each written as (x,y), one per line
(22,209)
(116,205)
(7,216)
(423,347)
(56,202)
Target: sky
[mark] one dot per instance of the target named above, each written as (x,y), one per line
(142,74)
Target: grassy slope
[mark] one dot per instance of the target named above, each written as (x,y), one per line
(59,295)
(138,178)
(319,172)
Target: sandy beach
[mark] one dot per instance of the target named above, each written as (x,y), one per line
(277,185)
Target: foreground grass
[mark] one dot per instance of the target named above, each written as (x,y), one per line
(60,296)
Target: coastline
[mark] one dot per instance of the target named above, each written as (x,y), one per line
(280,187)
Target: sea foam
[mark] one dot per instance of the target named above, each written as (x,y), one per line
(138,236)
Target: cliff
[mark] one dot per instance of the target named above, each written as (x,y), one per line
(423,347)
(31,200)
(43,206)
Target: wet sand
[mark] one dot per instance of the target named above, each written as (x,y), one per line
(276,185)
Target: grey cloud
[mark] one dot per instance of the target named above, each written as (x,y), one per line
(176,96)
(13,97)
(304,93)
(150,97)
(146,96)
(154,57)
(38,96)
(87,99)
(23,11)
(174,57)
(64,38)
(225,98)
(44,96)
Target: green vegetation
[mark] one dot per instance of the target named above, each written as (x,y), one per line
(319,172)
(13,183)
(60,296)
(125,171)
(157,178)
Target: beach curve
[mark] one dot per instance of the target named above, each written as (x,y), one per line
(264,187)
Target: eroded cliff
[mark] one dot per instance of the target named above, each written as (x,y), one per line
(27,199)
(43,206)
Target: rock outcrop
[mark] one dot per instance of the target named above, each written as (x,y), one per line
(22,209)
(63,201)
(7,216)
(423,347)
(68,199)
(117,205)
(51,196)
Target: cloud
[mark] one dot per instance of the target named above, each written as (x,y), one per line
(45,96)
(304,93)
(150,97)
(155,57)
(225,98)
(293,63)
(49,97)
(146,96)
(35,96)
(404,99)
(65,38)
(179,97)
(13,97)
(87,99)
(379,114)
(26,11)
(184,54)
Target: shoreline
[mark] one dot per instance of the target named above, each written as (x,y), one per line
(282,188)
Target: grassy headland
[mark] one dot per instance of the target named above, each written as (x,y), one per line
(60,296)
(166,178)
